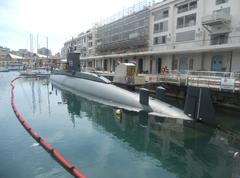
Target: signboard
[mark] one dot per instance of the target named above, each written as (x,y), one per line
(227,84)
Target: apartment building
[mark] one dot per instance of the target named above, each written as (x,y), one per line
(3,52)
(44,51)
(195,35)
(179,34)
(83,43)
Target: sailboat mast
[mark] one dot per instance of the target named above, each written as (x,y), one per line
(37,44)
(47,49)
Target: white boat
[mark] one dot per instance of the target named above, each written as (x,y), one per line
(3,69)
(35,73)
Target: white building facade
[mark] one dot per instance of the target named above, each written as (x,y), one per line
(182,35)
(83,43)
(196,35)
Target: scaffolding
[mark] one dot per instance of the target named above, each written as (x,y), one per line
(136,7)
(125,31)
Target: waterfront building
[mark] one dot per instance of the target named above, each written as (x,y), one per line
(3,52)
(125,35)
(195,35)
(12,61)
(181,35)
(84,43)
(44,51)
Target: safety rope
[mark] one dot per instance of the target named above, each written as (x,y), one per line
(53,152)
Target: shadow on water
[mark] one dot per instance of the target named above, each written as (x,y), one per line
(185,148)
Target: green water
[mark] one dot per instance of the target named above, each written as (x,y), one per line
(100,144)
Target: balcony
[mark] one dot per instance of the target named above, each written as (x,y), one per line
(216,19)
(218,41)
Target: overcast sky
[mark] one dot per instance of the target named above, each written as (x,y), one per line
(57,19)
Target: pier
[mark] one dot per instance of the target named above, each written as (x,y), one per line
(224,86)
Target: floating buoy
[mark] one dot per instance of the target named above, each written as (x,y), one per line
(236,154)
(118,113)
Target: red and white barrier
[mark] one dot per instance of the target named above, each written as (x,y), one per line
(54,153)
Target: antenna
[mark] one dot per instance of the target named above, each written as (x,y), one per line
(30,37)
(47,48)
(31,42)
(37,44)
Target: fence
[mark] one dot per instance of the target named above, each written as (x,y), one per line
(209,79)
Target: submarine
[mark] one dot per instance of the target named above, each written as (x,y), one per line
(99,89)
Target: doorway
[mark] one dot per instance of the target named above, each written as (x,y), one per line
(183,64)
(217,63)
(159,65)
(140,65)
(105,65)
(114,64)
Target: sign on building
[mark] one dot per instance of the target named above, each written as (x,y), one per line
(227,84)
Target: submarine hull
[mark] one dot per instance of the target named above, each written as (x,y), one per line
(109,94)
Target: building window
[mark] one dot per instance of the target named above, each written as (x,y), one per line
(180,22)
(165,14)
(161,14)
(161,27)
(183,8)
(90,44)
(221,1)
(219,39)
(187,7)
(186,21)
(159,40)
(190,20)
(193,5)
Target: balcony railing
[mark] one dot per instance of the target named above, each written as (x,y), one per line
(219,41)
(216,18)
(234,40)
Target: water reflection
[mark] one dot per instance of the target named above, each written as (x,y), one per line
(33,96)
(184,148)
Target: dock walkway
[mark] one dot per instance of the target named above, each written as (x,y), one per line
(227,81)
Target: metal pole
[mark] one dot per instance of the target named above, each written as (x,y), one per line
(47,48)
(230,69)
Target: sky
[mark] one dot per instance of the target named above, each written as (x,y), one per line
(59,20)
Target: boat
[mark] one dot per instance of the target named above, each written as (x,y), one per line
(99,89)
(3,69)
(40,73)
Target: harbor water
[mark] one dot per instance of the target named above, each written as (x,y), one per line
(101,144)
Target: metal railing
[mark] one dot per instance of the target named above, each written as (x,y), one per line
(214,74)
(233,40)
(88,69)
(209,79)
(216,17)
(171,76)
(219,41)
